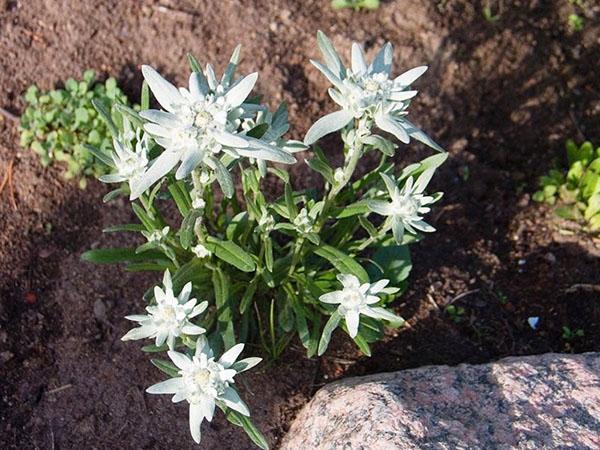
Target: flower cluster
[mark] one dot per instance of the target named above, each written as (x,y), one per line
(268,268)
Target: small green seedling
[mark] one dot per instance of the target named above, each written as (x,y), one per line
(577,191)
(576,22)
(58,125)
(456,313)
(355,4)
(569,335)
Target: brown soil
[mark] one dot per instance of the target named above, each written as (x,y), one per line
(502,97)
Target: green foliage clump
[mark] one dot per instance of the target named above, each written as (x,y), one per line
(577,191)
(355,4)
(58,125)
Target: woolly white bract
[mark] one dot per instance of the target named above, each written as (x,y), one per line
(266,256)
(200,124)
(355,299)
(407,206)
(367,94)
(170,317)
(130,159)
(206,383)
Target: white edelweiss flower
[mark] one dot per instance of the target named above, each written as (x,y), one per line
(199,123)
(366,92)
(266,223)
(205,382)
(130,163)
(198,203)
(356,299)
(303,222)
(201,251)
(170,317)
(156,236)
(407,206)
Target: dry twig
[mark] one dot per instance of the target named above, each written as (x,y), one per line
(8,115)
(8,181)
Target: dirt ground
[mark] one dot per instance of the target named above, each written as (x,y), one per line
(501,96)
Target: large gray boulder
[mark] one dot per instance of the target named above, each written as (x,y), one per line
(549,401)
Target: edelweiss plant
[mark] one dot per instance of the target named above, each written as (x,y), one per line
(261,268)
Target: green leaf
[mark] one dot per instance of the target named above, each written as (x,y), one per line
(167,367)
(319,166)
(268,246)
(290,203)
(253,433)
(154,349)
(342,262)
(186,232)
(258,131)
(221,283)
(231,253)
(354,209)
(145,96)
(125,227)
(181,196)
(362,344)
(395,262)
(194,271)
(105,114)
(331,325)
(112,195)
(101,155)
(194,65)
(223,178)
(118,255)
(248,295)
(146,220)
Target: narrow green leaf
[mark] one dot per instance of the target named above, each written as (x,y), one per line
(331,325)
(105,114)
(141,213)
(342,262)
(354,209)
(145,96)
(118,255)
(100,155)
(362,344)
(154,349)
(223,178)
(289,201)
(253,433)
(136,227)
(221,283)
(248,295)
(180,196)
(232,254)
(268,246)
(186,232)
(167,367)
(319,166)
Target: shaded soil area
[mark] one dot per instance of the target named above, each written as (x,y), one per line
(501,96)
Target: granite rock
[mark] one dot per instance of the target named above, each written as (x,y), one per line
(549,401)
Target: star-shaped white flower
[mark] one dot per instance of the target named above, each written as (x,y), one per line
(367,93)
(205,382)
(355,299)
(198,124)
(130,161)
(407,205)
(170,317)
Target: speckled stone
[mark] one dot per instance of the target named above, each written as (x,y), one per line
(549,401)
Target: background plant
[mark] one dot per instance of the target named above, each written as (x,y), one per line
(59,125)
(245,265)
(355,4)
(576,192)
